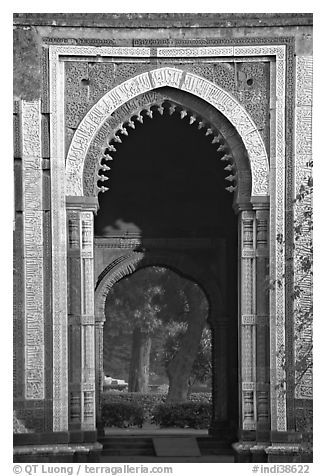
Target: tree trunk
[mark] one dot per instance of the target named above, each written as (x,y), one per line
(139,364)
(179,369)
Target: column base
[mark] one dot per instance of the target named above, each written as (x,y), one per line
(58,453)
(287,447)
(284,453)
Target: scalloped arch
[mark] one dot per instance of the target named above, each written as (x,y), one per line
(179,79)
(102,148)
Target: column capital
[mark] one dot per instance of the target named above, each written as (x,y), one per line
(82,203)
(260,203)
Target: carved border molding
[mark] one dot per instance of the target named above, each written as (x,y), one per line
(277,227)
(59,251)
(176,78)
(90,124)
(131,241)
(33,250)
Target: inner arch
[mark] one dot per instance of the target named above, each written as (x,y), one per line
(167,179)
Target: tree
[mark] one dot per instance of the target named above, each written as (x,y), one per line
(202,365)
(302,292)
(180,367)
(135,311)
(149,303)
(202,368)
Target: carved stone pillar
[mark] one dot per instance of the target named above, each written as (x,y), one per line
(254,333)
(247,329)
(81,320)
(99,370)
(262,327)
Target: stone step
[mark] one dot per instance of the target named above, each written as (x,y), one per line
(132,445)
(143,446)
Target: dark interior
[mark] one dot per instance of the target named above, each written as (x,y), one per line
(166,180)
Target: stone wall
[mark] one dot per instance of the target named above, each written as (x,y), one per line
(33,30)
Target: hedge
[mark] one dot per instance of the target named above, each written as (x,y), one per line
(122,414)
(183,415)
(148,401)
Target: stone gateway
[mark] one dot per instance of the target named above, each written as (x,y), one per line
(174,140)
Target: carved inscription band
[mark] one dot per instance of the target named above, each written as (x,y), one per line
(33,250)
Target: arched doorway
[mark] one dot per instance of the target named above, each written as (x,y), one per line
(224,377)
(179,179)
(156,337)
(248,177)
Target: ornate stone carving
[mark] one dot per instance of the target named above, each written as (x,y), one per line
(255,145)
(303,154)
(166,77)
(303,131)
(33,250)
(248,319)
(89,406)
(276,186)
(17,136)
(31,138)
(104,76)
(45,103)
(58,238)
(258,50)
(277,303)
(76,93)
(179,52)
(142,83)
(87,232)
(304,75)
(248,411)
(75,407)
(81,314)
(262,227)
(73,231)
(101,79)
(79,50)
(253,92)
(79,41)
(262,407)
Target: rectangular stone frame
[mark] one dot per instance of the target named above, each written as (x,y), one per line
(277,201)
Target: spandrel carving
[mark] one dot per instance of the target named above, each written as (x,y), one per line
(76,92)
